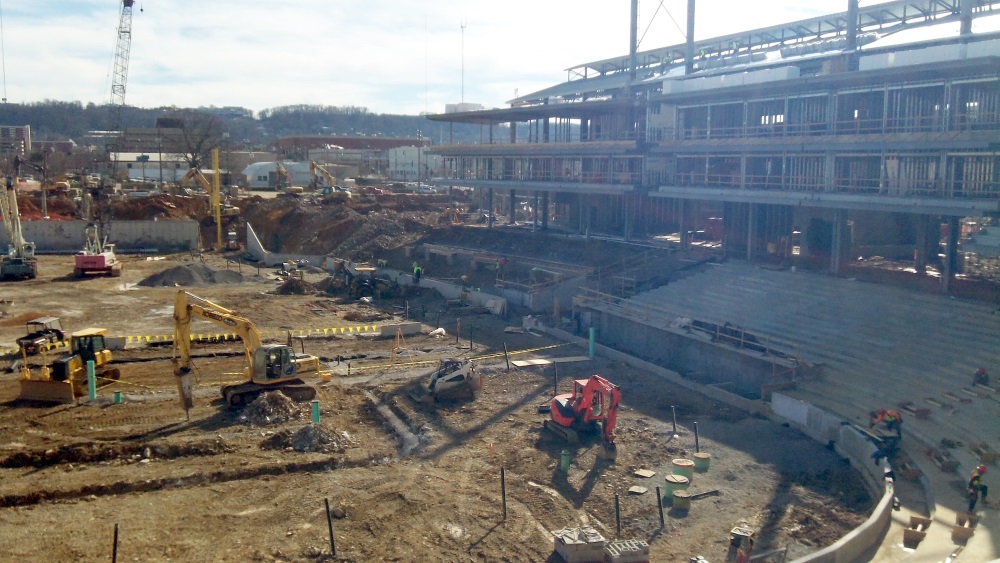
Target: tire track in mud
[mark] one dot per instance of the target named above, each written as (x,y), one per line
(92,452)
(328,463)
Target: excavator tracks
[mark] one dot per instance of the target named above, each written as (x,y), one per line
(241,395)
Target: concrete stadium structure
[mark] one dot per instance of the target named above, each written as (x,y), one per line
(810,136)
(803,145)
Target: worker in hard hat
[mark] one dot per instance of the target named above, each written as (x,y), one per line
(981,377)
(976,488)
(892,420)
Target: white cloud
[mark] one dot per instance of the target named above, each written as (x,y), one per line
(386,55)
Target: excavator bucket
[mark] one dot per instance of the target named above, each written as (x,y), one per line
(422,395)
(47,391)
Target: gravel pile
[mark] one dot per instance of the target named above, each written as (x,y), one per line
(272,407)
(193,274)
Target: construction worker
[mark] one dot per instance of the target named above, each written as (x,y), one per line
(981,377)
(976,487)
(417,270)
(892,420)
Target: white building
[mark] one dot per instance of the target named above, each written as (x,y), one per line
(405,162)
(264,175)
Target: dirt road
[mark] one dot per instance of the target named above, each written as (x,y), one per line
(230,486)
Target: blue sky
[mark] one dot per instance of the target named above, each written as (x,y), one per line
(390,56)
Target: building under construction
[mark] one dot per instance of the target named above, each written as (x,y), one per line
(817,141)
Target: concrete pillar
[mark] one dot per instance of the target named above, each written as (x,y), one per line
(689,44)
(965,19)
(545,211)
(829,172)
(920,251)
(489,215)
(950,255)
(836,245)
(534,213)
(751,228)
(513,205)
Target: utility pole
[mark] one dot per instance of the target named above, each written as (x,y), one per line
(463,62)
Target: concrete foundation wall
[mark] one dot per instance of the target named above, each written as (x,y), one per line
(259,253)
(58,237)
(742,373)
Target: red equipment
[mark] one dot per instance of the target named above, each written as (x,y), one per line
(592,406)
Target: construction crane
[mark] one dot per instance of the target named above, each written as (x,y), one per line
(19,262)
(119,77)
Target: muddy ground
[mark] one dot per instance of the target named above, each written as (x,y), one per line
(405,481)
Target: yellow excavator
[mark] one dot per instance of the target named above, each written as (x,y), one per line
(66,378)
(269,367)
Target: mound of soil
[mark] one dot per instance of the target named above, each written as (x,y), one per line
(272,407)
(295,286)
(194,274)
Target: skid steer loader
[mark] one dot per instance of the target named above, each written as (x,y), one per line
(452,379)
(66,378)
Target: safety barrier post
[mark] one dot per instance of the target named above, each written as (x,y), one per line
(91,381)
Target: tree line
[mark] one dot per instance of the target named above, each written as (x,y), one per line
(52,120)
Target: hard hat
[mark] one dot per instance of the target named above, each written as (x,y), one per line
(981,469)
(981,371)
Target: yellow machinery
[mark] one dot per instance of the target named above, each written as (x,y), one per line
(66,378)
(214,190)
(269,366)
(281,172)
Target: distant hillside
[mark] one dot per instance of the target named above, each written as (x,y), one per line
(55,120)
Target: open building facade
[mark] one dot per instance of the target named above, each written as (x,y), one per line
(866,132)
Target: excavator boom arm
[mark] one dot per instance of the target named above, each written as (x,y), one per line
(204,309)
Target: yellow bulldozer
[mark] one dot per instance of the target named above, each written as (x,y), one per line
(66,378)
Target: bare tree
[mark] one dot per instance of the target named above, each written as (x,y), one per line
(199,134)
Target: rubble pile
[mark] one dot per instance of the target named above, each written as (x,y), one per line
(295,286)
(272,407)
(193,274)
(309,438)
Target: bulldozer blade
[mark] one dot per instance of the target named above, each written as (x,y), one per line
(422,396)
(567,434)
(47,391)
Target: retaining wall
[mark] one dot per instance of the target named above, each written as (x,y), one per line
(59,237)
(743,372)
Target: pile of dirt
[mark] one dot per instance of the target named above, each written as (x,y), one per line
(310,438)
(169,207)
(193,274)
(272,407)
(295,286)
(369,316)
(354,231)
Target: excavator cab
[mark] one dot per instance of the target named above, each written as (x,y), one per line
(273,363)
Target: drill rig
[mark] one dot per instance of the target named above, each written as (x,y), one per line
(19,262)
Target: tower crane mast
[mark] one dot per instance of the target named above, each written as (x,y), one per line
(119,76)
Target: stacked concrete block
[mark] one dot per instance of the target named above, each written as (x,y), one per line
(626,551)
(580,545)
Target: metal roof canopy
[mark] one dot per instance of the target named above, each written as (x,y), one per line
(874,79)
(577,110)
(887,18)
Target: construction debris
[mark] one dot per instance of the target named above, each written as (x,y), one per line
(193,274)
(309,438)
(272,407)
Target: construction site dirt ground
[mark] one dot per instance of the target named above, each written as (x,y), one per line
(404,481)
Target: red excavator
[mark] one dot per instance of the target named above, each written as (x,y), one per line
(593,405)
